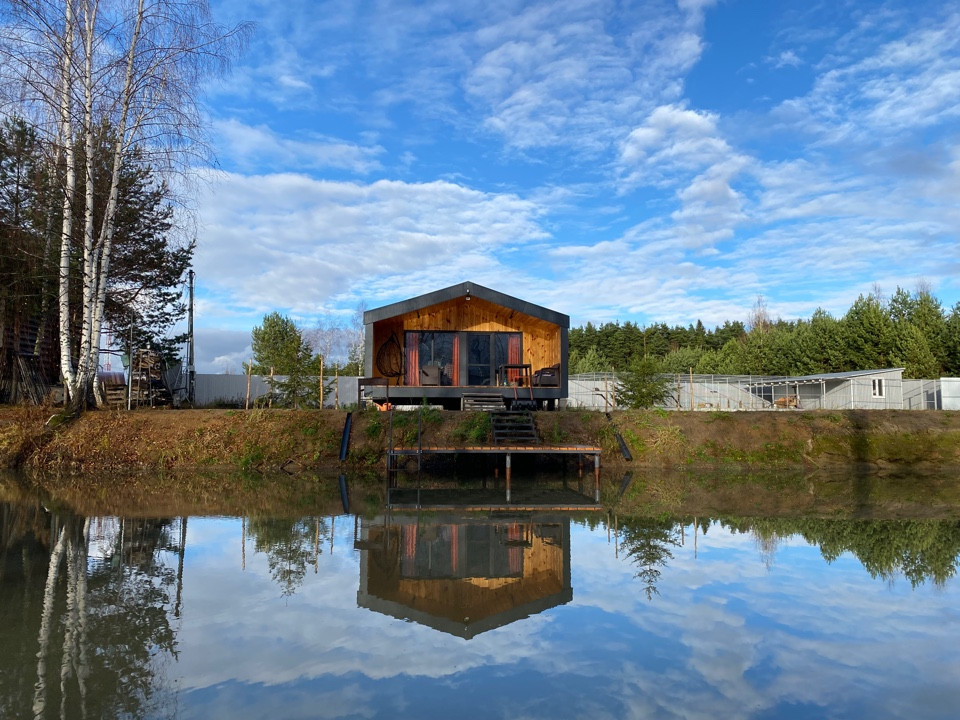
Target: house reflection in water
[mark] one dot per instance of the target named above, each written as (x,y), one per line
(464,574)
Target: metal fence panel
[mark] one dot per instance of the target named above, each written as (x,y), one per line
(231,390)
(752,392)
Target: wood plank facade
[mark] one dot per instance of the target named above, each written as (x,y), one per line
(439,345)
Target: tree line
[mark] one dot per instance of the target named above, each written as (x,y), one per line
(911,330)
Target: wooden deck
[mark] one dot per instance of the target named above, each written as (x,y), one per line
(498,450)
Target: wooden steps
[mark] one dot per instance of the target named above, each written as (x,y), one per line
(513,428)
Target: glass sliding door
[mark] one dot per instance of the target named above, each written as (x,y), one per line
(488,351)
(458,358)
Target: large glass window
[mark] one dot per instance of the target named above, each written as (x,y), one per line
(451,358)
(431,358)
(488,351)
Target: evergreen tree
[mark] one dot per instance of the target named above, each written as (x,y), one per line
(818,345)
(589,362)
(911,352)
(643,385)
(27,272)
(925,313)
(868,334)
(279,348)
(951,343)
(681,360)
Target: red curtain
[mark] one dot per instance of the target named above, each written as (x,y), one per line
(412,352)
(515,552)
(454,545)
(455,370)
(514,355)
(408,560)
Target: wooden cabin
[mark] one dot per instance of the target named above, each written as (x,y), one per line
(467,343)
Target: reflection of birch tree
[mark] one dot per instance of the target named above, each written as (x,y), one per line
(99,625)
(290,546)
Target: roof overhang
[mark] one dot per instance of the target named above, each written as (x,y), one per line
(465,290)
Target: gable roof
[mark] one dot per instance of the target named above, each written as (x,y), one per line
(462,290)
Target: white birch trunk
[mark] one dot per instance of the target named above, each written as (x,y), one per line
(86,367)
(65,123)
(109,217)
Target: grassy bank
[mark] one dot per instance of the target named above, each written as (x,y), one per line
(261,441)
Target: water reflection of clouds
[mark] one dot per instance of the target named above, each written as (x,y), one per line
(729,636)
(796,633)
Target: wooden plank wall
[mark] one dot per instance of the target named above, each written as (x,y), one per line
(541,339)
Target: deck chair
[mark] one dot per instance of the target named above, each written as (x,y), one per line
(430,375)
(547,377)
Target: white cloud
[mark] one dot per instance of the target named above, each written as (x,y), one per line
(787,58)
(558,75)
(905,85)
(288,241)
(249,147)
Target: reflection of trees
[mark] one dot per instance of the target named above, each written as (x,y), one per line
(920,550)
(648,542)
(290,546)
(85,633)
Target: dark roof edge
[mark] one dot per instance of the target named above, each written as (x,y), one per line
(459,290)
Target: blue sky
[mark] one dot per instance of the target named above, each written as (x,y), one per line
(651,161)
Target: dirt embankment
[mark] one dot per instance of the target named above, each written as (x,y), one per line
(299,441)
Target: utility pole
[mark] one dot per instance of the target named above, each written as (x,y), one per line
(190,369)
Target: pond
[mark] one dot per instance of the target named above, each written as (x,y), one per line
(530,613)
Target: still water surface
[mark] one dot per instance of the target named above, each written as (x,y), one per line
(527,615)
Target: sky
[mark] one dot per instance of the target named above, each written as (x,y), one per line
(656,161)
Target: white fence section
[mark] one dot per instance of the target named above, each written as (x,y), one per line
(595,391)
(231,390)
(950,393)
(881,391)
(923,394)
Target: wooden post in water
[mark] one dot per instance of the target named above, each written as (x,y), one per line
(508,477)
(596,477)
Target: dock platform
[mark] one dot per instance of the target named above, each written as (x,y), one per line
(506,451)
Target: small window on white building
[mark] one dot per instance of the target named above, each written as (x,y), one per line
(877,387)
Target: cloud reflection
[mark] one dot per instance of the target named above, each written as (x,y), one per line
(730,635)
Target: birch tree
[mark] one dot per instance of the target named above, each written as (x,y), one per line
(135,66)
